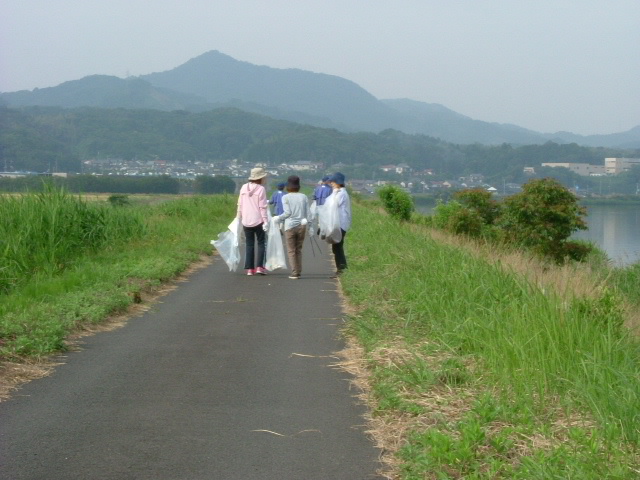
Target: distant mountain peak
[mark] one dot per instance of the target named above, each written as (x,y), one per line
(214,79)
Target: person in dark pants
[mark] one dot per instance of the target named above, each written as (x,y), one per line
(252,211)
(344,212)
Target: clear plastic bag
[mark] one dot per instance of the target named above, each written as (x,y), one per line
(275,250)
(228,244)
(329,220)
(313,219)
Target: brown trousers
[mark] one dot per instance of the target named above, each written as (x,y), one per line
(295,239)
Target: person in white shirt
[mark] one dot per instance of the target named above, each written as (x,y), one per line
(337,182)
(295,216)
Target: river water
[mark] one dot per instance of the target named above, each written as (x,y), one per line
(614,228)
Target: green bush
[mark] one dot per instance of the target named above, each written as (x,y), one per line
(119,200)
(481,202)
(466,222)
(456,218)
(542,217)
(396,202)
(444,212)
(577,250)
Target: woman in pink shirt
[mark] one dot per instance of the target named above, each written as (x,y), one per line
(252,211)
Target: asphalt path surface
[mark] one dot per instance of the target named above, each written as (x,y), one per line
(226,377)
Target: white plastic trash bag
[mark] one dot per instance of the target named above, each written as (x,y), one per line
(275,250)
(313,219)
(329,220)
(228,244)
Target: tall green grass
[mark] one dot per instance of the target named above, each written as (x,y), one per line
(37,314)
(534,346)
(44,233)
(627,279)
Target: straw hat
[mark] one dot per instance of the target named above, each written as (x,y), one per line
(257,173)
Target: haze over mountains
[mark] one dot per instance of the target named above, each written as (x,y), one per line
(215,80)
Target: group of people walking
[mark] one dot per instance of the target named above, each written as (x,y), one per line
(292,215)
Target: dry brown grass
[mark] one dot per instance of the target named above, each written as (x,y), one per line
(13,374)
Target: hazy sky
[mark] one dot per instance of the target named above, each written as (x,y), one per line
(547,65)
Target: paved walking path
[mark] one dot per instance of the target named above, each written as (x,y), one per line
(229,377)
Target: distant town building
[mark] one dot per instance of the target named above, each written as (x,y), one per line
(615,166)
(305,165)
(403,168)
(584,169)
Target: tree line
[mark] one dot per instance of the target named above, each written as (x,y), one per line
(45,139)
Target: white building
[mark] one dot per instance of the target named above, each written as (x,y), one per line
(305,165)
(584,169)
(614,166)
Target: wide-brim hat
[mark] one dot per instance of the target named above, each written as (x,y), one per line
(293,181)
(337,178)
(257,173)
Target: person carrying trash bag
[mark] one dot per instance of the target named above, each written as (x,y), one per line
(295,217)
(342,201)
(252,212)
(276,199)
(322,191)
(319,197)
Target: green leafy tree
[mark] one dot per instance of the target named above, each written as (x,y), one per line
(481,202)
(397,202)
(542,217)
(457,218)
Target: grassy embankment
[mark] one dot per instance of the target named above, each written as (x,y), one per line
(476,370)
(67,263)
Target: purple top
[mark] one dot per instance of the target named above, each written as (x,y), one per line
(276,199)
(321,193)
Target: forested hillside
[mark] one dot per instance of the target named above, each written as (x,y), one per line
(214,80)
(45,139)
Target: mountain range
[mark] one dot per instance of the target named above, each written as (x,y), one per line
(215,80)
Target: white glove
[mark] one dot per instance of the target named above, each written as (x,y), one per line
(276,219)
(265,226)
(304,221)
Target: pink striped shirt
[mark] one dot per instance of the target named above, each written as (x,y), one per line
(252,204)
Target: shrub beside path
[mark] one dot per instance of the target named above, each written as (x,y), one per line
(227,377)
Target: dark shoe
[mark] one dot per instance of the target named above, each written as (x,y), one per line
(294,277)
